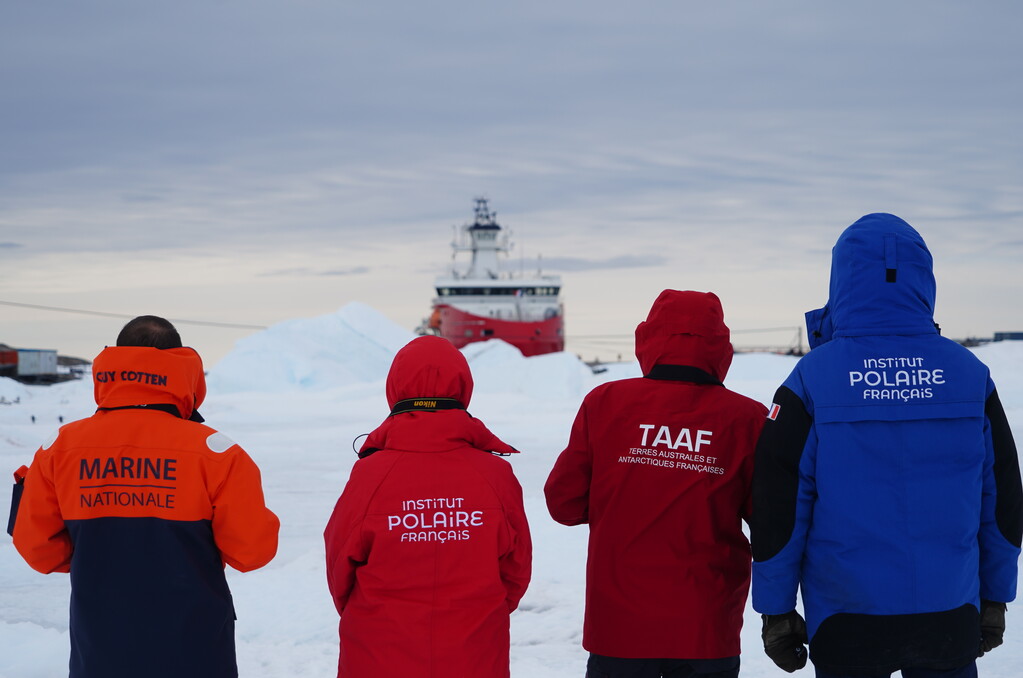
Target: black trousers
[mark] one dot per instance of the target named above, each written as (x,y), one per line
(599,666)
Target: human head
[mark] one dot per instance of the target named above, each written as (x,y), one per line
(685,328)
(882,282)
(134,344)
(149,330)
(429,367)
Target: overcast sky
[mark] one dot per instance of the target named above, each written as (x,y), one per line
(251,161)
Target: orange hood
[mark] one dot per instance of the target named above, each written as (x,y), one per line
(129,376)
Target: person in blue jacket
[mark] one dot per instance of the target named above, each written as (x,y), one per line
(886,482)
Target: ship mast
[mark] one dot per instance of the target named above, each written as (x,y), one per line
(483,243)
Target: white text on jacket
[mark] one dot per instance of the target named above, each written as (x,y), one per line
(419,524)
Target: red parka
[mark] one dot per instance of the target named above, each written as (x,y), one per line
(660,468)
(428,549)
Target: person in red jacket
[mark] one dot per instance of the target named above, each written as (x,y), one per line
(143,506)
(428,549)
(660,468)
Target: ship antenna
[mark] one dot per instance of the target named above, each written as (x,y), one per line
(484,217)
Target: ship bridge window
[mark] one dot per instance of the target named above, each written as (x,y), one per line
(497,291)
(476,291)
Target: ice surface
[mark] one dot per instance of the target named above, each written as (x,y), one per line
(296,396)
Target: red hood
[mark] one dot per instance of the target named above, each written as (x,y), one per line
(124,376)
(431,368)
(685,328)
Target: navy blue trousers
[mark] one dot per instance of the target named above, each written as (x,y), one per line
(968,671)
(599,666)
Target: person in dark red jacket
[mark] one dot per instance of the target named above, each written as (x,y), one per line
(144,506)
(428,549)
(660,468)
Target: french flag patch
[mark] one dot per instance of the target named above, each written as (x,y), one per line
(773,413)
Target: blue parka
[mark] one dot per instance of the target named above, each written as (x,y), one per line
(887,484)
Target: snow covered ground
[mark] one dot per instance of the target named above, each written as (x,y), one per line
(296,396)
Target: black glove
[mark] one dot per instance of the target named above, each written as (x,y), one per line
(19,487)
(785,640)
(992,625)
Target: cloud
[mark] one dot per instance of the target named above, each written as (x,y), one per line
(140,198)
(309,272)
(575,264)
(290,141)
(357,270)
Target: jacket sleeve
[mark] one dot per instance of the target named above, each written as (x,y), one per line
(1001,529)
(783,495)
(568,486)
(40,535)
(244,529)
(746,470)
(347,547)
(516,562)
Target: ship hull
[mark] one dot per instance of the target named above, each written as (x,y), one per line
(531,337)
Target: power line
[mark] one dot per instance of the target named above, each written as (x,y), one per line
(61,309)
(787,328)
(241,326)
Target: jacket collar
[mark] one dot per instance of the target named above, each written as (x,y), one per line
(433,431)
(681,373)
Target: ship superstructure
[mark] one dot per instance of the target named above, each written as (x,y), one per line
(484,302)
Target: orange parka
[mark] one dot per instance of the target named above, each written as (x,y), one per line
(144,507)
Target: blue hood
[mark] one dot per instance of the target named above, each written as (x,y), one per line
(882,282)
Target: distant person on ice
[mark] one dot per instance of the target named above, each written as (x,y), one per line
(887,486)
(144,505)
(660,468)
(428,550)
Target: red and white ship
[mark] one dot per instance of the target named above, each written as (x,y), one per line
(481,302)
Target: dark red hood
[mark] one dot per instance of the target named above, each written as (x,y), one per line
(685,328)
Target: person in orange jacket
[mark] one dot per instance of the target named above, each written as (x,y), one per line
(144,505)
(428,549)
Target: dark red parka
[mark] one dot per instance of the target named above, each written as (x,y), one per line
(428,549)
(660,468)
